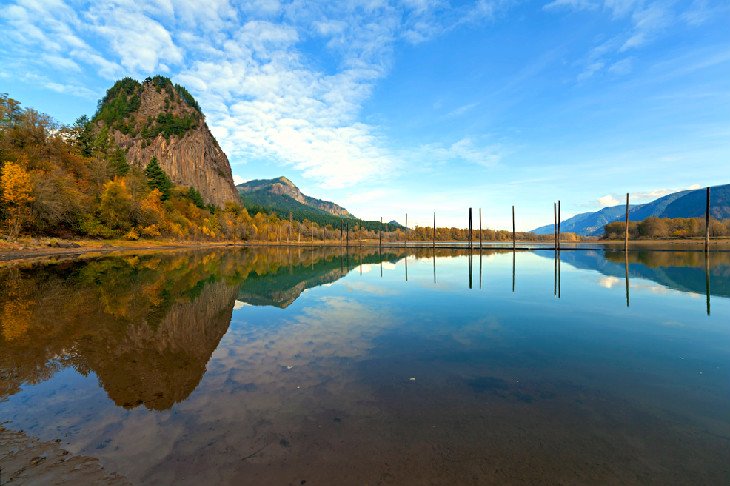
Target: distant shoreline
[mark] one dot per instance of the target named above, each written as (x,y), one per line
(30,249)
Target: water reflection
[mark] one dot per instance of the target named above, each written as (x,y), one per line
(273,364)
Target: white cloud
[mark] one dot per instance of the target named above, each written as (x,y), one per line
(652,194)
(263,95)
(608,201)
(694,187)
(237,179)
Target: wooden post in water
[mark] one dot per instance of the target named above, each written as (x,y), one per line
(347,235)
(405,237)
(555,225)
(707,222)
(434,231)
(514,238)
(480,231)
(626,237)
(470,230)
(380,233)
(558,237)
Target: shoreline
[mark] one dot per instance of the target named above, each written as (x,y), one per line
(31,249)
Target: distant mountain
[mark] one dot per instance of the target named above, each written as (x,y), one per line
(283,197)
(276,193)
(682,204)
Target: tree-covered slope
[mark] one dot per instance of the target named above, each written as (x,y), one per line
(682,204)
(281,197)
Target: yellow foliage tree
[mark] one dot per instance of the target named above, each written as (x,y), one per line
(116,205)
(16,195)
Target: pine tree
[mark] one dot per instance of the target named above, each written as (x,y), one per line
(118,162)
(195,196)
(157,179)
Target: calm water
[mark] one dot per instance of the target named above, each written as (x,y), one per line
(283,366)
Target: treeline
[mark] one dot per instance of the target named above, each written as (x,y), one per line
(425,233)
(75,182)
(299,212)
(659,228)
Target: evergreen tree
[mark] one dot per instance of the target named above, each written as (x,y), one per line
(157,179)
(83,135)
(195,196)
(118,162)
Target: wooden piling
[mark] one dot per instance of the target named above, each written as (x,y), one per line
(380,233)
(555,226)
(470,226)
(405,237)
(480,229)
(347,235)
(707,221)
(514,238)
(558,232)
(626,237)
(434,229)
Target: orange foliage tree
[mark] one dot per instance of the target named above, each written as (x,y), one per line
(17,194)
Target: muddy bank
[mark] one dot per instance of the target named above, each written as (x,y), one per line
(25,460)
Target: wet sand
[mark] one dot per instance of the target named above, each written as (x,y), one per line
(25,460)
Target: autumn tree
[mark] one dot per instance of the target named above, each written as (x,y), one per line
(16,189)
(116,206)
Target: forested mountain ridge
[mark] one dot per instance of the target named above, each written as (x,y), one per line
(281,186)
(681,204)
(282,197)
(158,119)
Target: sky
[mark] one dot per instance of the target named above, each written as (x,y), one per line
(413,106)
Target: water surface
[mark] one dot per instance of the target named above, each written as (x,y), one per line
(332,367)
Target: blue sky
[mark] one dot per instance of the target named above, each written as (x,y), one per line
(413,105)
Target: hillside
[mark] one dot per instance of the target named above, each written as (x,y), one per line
(158,119)
(682,204)
(281,186)
(282,197)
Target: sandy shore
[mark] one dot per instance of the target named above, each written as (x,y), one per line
(25,460)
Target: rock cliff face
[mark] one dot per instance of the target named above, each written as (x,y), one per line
(157,118)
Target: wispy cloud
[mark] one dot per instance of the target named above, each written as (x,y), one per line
(644,21)
(264,96)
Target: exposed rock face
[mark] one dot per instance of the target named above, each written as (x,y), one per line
(190,155)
